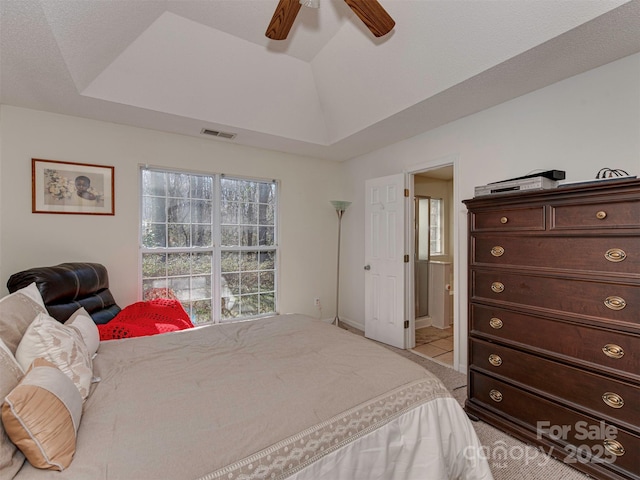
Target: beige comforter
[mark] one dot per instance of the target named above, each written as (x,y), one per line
(259,399)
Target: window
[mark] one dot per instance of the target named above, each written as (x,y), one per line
(210,241)
(436,225)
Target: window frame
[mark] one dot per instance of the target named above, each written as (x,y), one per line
(440,227)
(216,249)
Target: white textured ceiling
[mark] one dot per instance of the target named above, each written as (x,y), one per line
(331,90)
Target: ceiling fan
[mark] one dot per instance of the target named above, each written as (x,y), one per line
(376,18)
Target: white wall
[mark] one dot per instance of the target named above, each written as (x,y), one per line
(578,125)
(307,219)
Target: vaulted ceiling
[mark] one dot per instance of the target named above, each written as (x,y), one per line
(330,90)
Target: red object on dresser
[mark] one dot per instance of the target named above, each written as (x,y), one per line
(141,319)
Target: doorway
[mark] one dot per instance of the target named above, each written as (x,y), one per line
(434,264)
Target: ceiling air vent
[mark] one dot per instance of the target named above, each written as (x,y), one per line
(216,133)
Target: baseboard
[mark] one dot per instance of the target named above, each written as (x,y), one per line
(352,323)
(423,322)
(346,321)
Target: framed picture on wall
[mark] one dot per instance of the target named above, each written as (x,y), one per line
(75,188)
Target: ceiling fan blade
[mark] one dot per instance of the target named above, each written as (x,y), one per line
(282,20)
(373,15)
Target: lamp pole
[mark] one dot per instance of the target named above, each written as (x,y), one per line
(340,207)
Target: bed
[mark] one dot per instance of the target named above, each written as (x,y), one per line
(287,396)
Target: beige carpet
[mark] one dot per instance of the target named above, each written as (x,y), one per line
(508,458)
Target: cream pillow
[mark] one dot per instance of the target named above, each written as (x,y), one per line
(42,415)
(88,329)
(33,293)
(11,459)
(61,345)
(17,311)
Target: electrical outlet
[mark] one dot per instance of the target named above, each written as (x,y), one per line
(316,301)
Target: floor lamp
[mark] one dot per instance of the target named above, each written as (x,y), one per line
(340,207)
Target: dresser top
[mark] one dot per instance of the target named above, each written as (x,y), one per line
(600,189)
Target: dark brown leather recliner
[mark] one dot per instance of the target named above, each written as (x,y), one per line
(68,286)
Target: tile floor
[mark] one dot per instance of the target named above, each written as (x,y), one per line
(435,343)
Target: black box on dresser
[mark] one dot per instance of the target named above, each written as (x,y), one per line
(554,322)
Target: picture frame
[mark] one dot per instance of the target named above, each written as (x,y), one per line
(72,188)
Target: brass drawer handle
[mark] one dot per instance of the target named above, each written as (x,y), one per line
(504,220)
(497,287)
(615,255)
(497,251)
(613,400)
(496,323)
(601,215)
(613,351)
(495,395)
(495,360)
(614,447)
(615,303)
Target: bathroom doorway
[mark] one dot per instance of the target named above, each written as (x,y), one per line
(433,264)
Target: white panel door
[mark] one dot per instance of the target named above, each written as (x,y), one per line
(384,260)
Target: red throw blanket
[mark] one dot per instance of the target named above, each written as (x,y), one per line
(146,318)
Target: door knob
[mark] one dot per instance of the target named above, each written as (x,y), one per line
(367,267)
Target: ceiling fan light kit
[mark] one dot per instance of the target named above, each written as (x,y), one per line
(372,14)
(310,3)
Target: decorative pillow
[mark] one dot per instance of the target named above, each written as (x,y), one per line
(88,329)
(17,311)
(33,293)
(42,415)
(61,345)
(11,459)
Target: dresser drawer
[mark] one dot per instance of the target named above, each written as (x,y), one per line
(609,349)
(598,300)
(614,400)
(567,427)
(596,215)
(530,218)
(598,254)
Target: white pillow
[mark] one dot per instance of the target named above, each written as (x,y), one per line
(33,293)
(17,311)
(88,329)
(61,345)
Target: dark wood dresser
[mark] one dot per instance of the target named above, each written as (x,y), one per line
(554,322)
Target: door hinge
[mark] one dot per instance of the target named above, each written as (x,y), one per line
(406,324)
(406,192)
(406,259)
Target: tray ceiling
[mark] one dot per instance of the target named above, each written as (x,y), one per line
(331,90)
